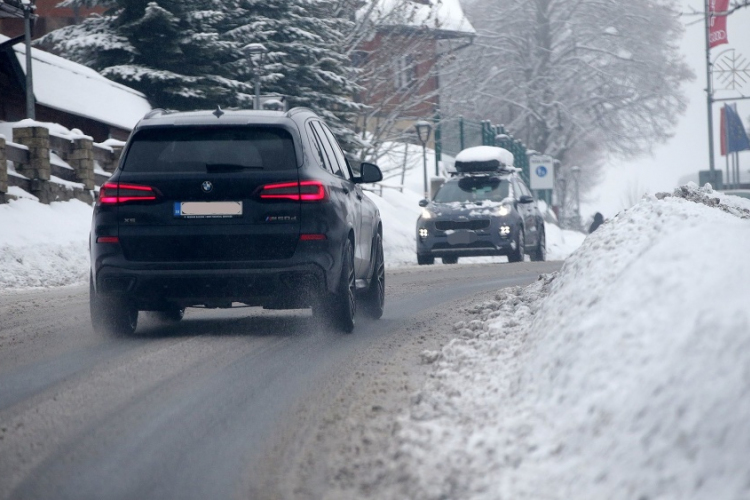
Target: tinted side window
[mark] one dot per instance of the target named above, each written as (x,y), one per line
(318,148)
(340,158)
(522,186)
(327,150)
(191,149)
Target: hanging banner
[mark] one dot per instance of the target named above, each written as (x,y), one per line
(717,26)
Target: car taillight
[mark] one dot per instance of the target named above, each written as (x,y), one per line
(295,191)
(115,193)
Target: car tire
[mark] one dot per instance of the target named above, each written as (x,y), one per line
(340,308)
(539,254)
(425,260)
(518,254)
(171,315)
(111,315)
(374,298)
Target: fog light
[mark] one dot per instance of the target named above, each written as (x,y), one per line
(423,233)
(504,230)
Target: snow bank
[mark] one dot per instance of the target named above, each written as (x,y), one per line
(625,376)
(43,245)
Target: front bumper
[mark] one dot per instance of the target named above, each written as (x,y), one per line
(497,238)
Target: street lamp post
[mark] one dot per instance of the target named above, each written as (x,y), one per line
(423,133)
(576,178)
(257,53)
(28,9)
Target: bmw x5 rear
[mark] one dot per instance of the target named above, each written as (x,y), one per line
(216,209)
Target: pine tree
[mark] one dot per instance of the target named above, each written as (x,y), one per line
(188,54)
(171,51)
(305,60)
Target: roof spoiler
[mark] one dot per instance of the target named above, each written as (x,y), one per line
(156,112)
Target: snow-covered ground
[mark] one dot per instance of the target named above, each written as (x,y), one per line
(624,376)
(47,245)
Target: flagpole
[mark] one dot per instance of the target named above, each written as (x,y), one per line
(727,154)
(709,91)
(737,167)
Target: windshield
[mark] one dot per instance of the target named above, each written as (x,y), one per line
(198,149)
(473,190)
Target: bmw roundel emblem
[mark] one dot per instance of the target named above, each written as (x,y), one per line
(207,186)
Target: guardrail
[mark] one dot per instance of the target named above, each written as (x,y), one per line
(34,152)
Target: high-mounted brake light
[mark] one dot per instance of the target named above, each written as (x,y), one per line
(115,193)
(295,191)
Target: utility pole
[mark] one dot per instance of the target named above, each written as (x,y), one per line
(28,9)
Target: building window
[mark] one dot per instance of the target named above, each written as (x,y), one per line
(405,72)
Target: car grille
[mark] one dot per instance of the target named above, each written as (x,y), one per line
(477,245)
(453,225)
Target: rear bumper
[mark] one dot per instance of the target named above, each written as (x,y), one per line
(274,287)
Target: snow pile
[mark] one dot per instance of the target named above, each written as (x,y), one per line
(484,154)
(399,213)
(43,245)
(624,376)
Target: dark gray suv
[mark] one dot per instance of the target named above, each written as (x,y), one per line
(485,209)
(213,209)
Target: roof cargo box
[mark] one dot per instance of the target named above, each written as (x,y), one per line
(483,159)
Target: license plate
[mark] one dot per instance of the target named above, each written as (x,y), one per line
(207,209)
(462,237)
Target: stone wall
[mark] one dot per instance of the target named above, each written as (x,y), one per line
(33,162)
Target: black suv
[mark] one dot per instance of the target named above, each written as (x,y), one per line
(216,208)
(484,209)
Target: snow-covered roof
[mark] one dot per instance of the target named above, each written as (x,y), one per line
(440,15)
(67,86)
(481,154)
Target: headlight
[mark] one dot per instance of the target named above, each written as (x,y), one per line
(503,210)
(426,214)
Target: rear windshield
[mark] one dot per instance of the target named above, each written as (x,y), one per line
(473,189)
(200,149)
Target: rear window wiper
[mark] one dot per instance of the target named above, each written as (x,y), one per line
(230,166)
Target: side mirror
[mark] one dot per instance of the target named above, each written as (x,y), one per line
(526,199)
(369,173)
(424,203)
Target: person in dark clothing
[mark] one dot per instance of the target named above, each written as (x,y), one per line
(598,221)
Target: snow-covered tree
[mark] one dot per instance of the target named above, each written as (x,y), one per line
(189,54)
(576,79)
(306,59)
(171,50)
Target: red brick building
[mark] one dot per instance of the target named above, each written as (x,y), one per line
(49,17)
(400,61)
